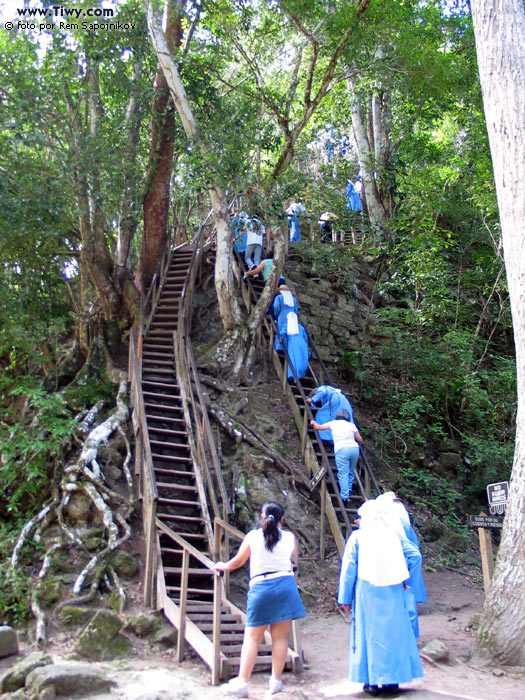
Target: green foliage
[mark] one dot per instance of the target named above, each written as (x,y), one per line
(16,593)
(30,446)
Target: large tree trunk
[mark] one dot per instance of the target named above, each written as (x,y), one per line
(157,187)
(366,156)
(230,309)
(499,27)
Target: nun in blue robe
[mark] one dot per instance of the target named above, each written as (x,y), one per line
(282,303)
(353,198)
(332,400)
(400,521)
(296,345)
(375,567)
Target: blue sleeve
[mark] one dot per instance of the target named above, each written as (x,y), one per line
(348,575)
(412,556)
(319,395)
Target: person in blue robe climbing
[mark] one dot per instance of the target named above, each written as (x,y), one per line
(291,335)
(375,567)
(400,521)
(283,302)
(331,400)
(294,212)
(239,223)
(353,196)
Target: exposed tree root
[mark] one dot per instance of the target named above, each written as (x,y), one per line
(85,475)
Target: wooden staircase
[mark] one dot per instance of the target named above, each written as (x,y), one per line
(318,455)
(181,502)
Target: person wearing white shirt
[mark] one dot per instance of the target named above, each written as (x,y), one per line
(346,448)
(273,597)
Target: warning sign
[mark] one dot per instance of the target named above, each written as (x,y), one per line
(498,495)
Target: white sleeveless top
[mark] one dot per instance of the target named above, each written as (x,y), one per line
(277,562)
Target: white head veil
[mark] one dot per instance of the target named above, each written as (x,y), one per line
(396,512)
(381,561)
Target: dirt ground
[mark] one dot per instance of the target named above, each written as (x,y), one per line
(450,616)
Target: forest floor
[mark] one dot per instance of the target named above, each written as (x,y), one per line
(450,616)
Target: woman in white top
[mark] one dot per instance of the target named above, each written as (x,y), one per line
(273,598)
(346,449)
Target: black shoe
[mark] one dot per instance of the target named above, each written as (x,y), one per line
(390,688)
(371,689)
(346,502)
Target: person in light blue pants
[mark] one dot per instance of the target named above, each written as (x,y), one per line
(346,448)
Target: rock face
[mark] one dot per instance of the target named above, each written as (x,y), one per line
(66,680)
(335,321)
(15,677)
(8,642)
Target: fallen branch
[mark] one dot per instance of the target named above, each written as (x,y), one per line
(242,432)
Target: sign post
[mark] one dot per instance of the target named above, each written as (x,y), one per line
(498,495)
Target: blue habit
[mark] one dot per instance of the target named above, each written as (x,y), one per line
(297,347)
(331,401)
(353,198)
(383,647)
(416,581)
(278,309)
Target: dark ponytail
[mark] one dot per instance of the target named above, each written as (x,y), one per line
(271,516)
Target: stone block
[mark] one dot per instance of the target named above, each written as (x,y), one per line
(15,677)
(8,641)
(95,640)
(67,680)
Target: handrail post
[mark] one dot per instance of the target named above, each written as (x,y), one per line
(322,518)
(217,603)
(149,574)
(183,598)
(304,433)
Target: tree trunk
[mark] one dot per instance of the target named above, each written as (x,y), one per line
(157,187)
(499,27)
(365,153)
(230,309)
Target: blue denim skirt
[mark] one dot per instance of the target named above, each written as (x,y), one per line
(273,600)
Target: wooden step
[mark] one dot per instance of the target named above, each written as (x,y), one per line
(174,517)
(155,395)
(191,571)
(171,445)
(176,487)
(175,473)
(172,458)
(169,407)
(179,502)
(164,385)
(236,649)
(166,431)
(200,618)
(174,591)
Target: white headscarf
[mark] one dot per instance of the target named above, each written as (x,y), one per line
(396,512)
(287,297)
(381,561)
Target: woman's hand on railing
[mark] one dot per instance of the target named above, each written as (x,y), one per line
(219,568)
